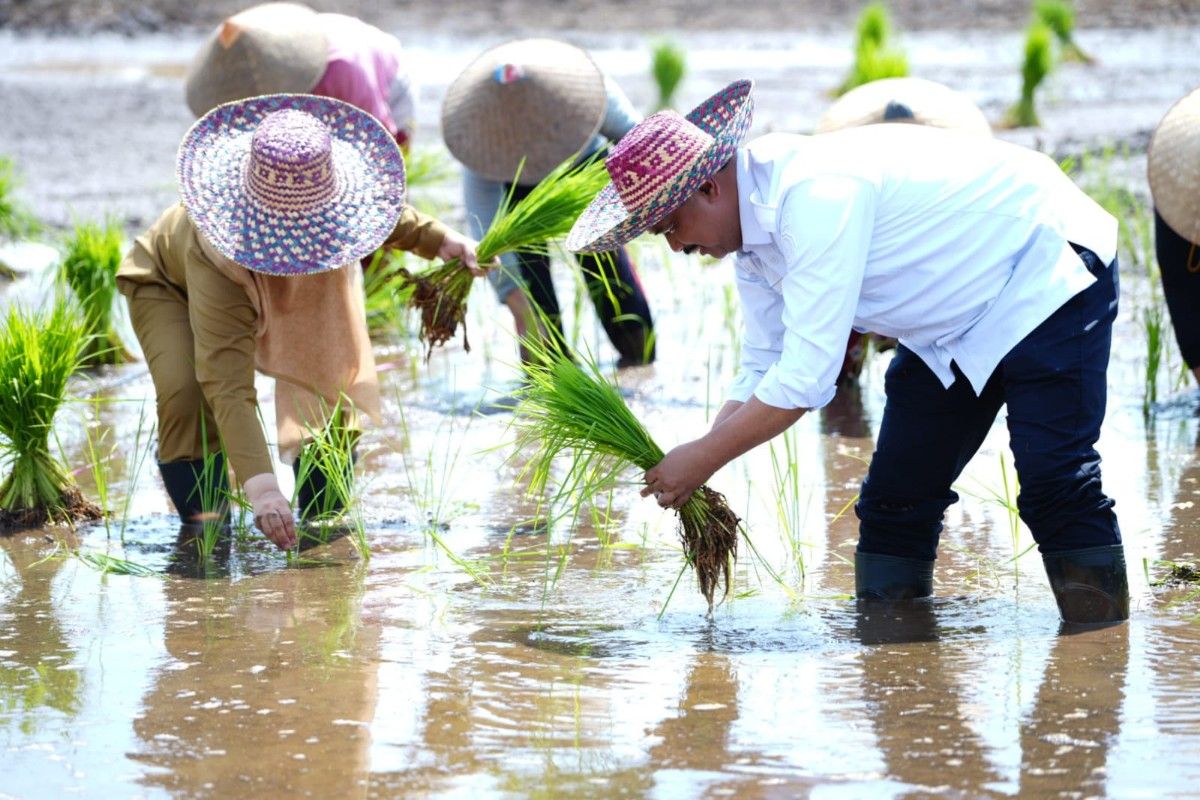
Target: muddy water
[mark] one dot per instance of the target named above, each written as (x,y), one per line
(480,652)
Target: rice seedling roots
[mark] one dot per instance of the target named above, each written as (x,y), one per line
(710,543)
(440,314)
(73,507)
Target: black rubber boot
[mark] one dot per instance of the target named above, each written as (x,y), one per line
(190,488)
(314,496)
(880,577)
(1090,584)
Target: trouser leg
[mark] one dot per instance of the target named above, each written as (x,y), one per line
(928,435)
(1056,389)
(621,305)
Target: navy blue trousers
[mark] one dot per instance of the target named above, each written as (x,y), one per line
(1054,382)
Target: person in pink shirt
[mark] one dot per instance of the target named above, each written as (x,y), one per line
(289,48)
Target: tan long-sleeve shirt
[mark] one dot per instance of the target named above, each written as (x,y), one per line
(309,332)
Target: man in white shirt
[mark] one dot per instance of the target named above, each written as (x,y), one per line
(996,274)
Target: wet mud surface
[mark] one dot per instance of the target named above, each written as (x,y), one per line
(483,651)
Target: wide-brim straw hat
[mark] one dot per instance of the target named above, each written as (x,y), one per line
(904,100)
(291,184)
(1173,167)
(659,164)
(273,48)
(540,100)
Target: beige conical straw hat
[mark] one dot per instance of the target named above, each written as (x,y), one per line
(273,48)
(1173,167)
(537,99)
(904,100)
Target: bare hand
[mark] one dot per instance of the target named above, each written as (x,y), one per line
(272,513)
(681,472)
(455,245)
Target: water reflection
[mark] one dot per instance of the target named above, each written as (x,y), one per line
(39,677)
(280,665)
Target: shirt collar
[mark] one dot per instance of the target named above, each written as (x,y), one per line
(751,207)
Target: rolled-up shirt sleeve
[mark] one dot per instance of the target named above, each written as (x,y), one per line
(824,234)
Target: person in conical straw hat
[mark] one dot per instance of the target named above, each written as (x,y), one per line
(1173,167)
(914,100)
(530,105)
(276,48)
(997,275)
(278,193)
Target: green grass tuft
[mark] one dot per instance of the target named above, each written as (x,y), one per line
(1039,61)
(1059,17)
(89,269)
(15,221)
(668,64)
(874,56)
(38,354)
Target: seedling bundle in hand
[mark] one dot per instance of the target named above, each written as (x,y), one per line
(528,226)
(566,408)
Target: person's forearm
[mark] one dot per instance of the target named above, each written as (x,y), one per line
(740,427)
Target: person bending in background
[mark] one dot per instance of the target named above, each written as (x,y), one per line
(1173,168)
(534,103)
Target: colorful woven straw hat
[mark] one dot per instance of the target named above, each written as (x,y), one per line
(905,100)
(537,99)
(291,184)
(1173,167)
(272,48)
(660,164)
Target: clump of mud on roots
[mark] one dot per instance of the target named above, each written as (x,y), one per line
(73,507)
(710,543)
(441,314)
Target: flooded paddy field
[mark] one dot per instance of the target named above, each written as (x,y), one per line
(490,647)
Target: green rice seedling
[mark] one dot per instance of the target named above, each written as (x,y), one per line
(38,354)
(1059,16)
(384,302)
(790,506)
(328,451)
(1039,61)
(426,166)
(544,215)
(566,408)
(1153,332)
(99,453)
(15,220)
(874,57)
(111,565)
(89,269)
(668,64)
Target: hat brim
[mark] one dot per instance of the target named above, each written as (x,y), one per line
(1173,167)
(533,123)
(369,169)
(928,102)
(606,224)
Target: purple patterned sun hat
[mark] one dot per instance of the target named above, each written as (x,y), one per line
(659,164)
(291,184)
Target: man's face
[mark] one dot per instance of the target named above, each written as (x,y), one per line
(701,225)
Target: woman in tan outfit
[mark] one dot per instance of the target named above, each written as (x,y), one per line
(278,193)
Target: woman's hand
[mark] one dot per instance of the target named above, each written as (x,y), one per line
(272,512)
(455,245)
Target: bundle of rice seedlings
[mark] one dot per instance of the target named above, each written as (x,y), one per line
(668,65)
(89,268)
(15,220)
(1059,17)
(528,226)
(874,57)
(568,408)
(38,354)
(1039,60)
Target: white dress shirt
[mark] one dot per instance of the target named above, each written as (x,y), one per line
(955,245)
